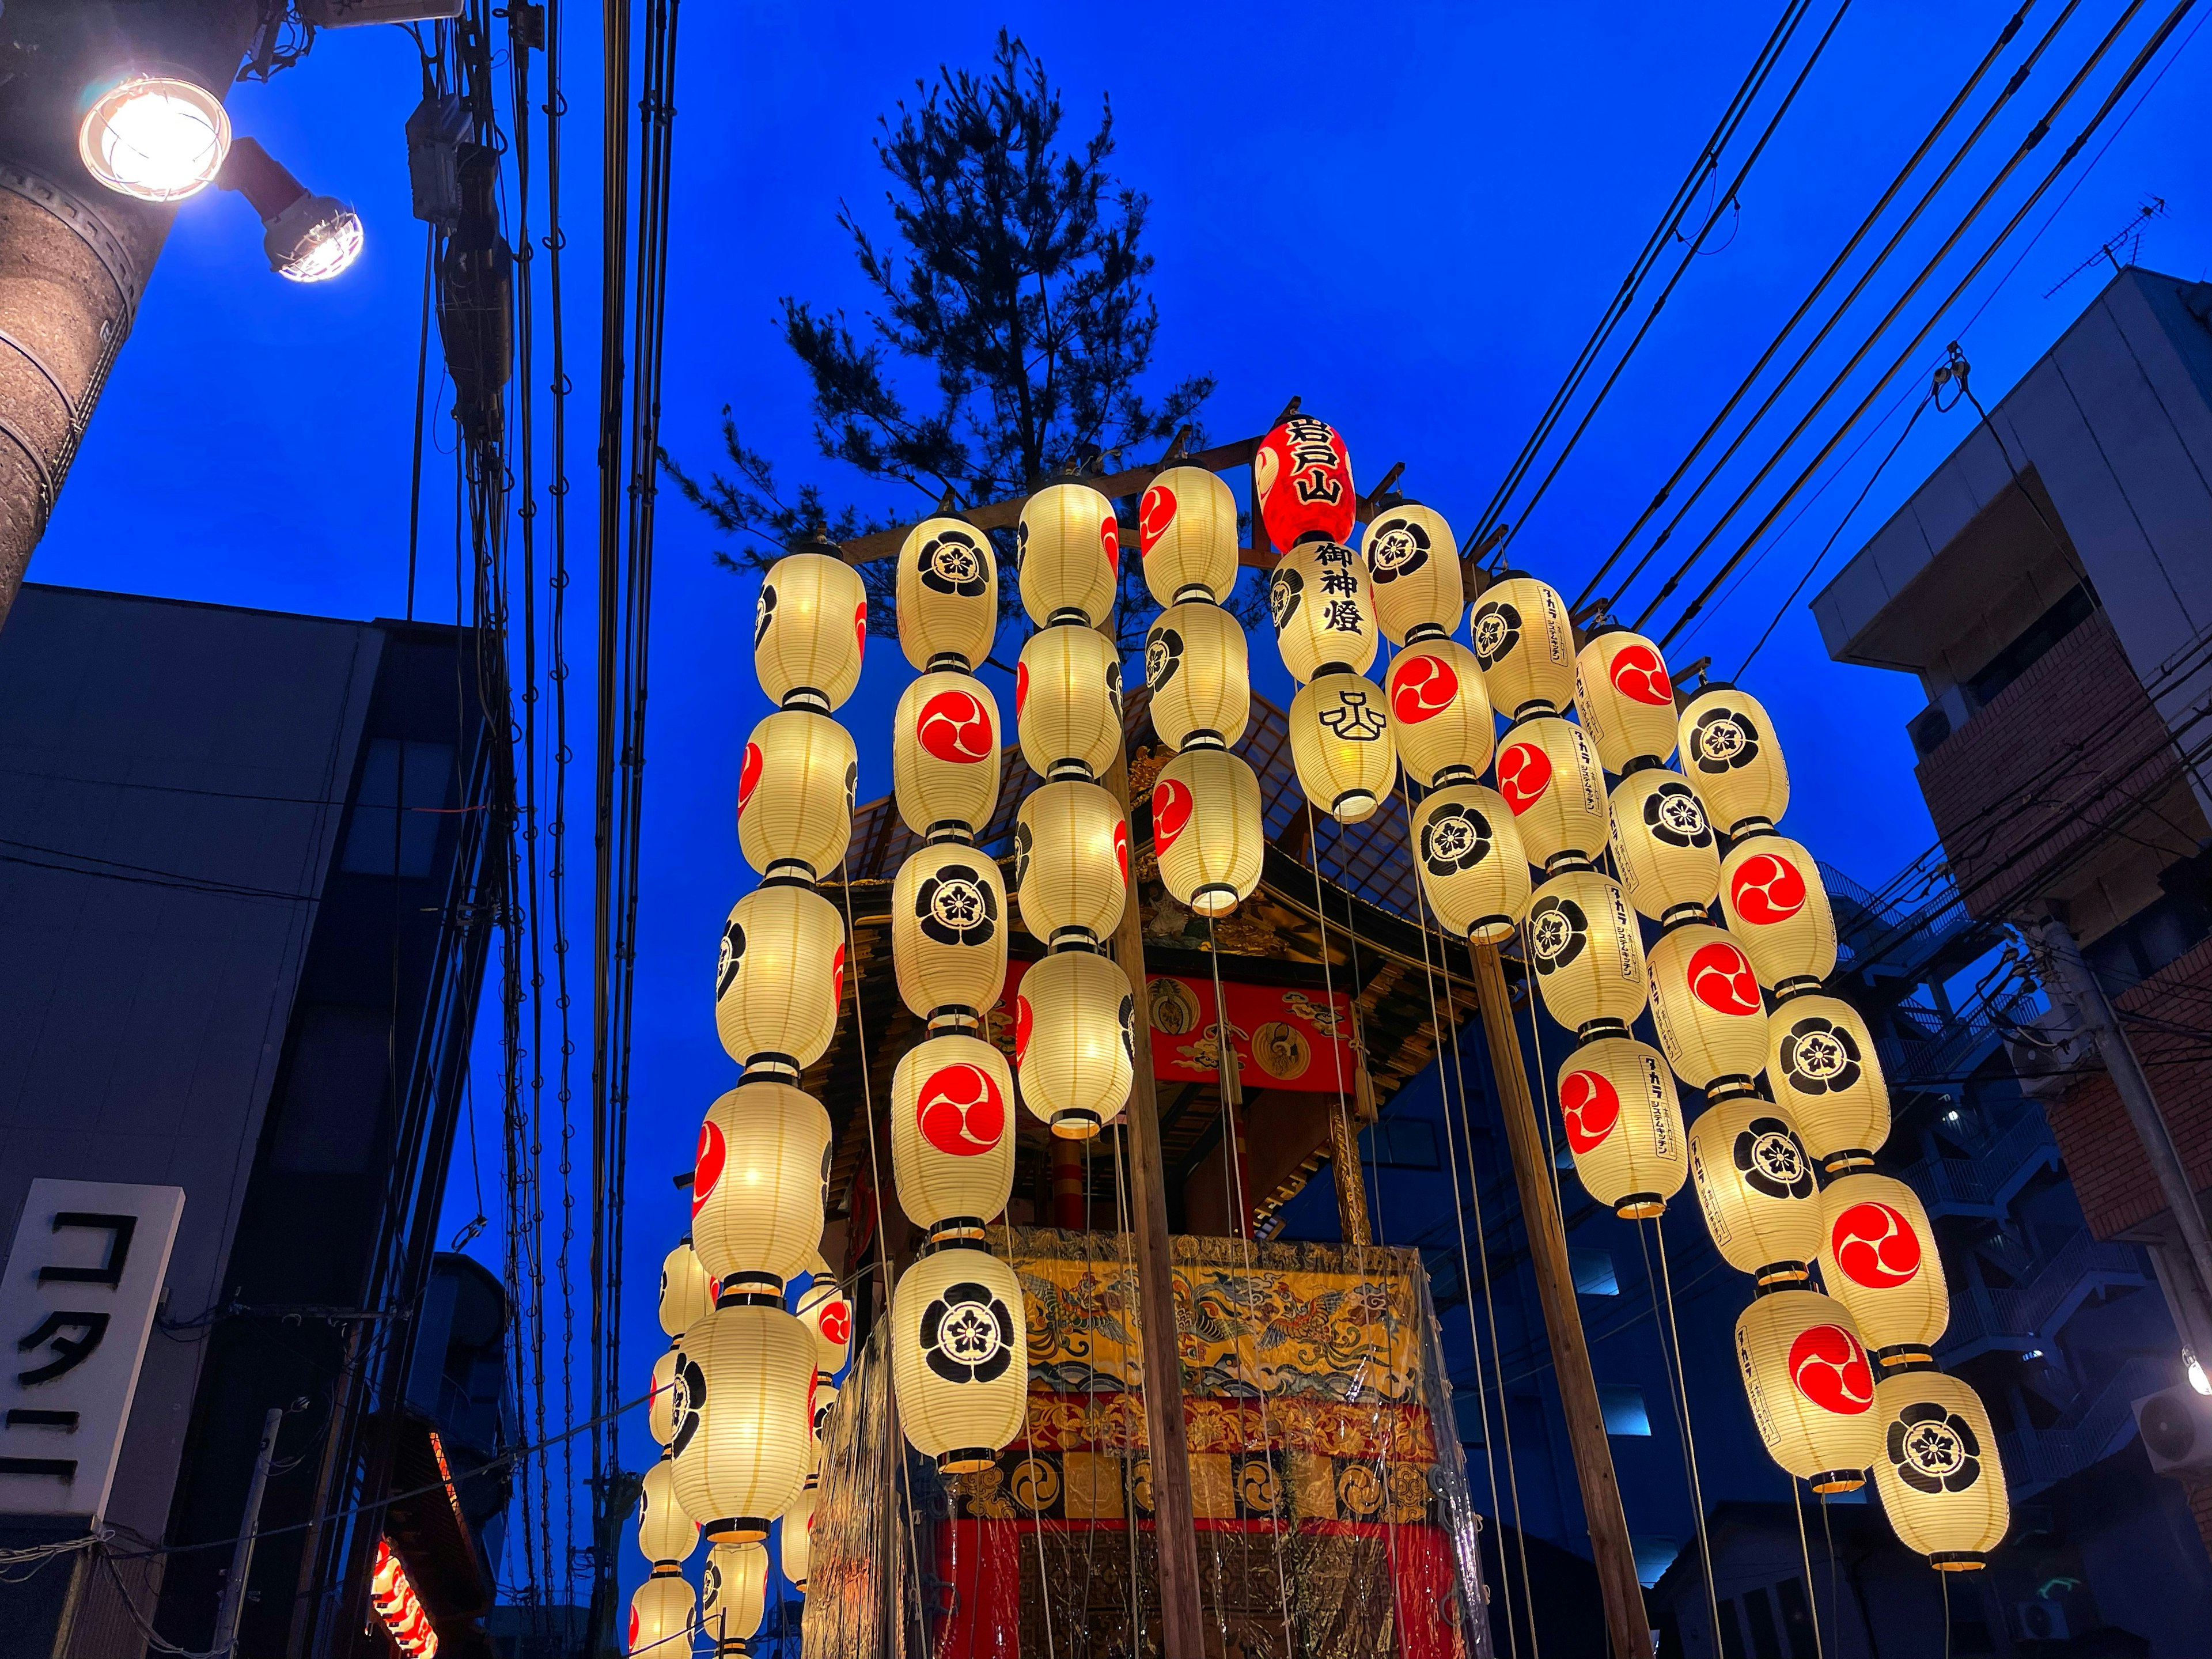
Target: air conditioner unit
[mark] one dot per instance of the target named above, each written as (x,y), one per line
(2040,1621)
(2176,1425)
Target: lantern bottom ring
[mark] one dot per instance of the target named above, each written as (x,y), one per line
(1780,1276)
(1190,591)
(956,830)
(1069,769)
(1448,777)
(949,662)
(1958,1560)
(1078,1123)
(1202,737)
(1491,930)
(1214,898)
(1640,1206)
(1534,708)
(736,1529)
(810,697)
(1073,938)
(1676,914)
(1745,829)
(1851,1157)
(1573,860)
(953,1017)
(1353,806)
(965,1460)
(1734,1087)
(783,871)
(771,1068)
(1830,1480)
(1904,1355)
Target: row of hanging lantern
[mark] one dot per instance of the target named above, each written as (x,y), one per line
(1784,1171)
(392,1597)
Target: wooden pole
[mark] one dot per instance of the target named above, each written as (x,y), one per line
(1351,1187)
(1626,1627)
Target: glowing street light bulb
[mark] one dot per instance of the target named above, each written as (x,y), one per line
(307,238)
(158,138)
(2197,1380)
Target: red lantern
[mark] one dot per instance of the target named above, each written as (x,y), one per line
(1302,475)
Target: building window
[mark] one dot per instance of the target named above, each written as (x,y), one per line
(1400,1143)
(1759,1613)
(1731,1632)
(391,828)
(1797,1618)
(2073,609)
(1593,1273)
(1623,1406)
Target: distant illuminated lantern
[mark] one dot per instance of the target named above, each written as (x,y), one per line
(1706,1009)
(1624,1125)
(945,756)
(947,595)
(1776,906)
(1878,1258)
(1187,530)
(745,1387)
(1526,646)
(158,138)
(733,1597)
(757,1184)
(1074,1042)
(1341,745)
(795,1538)
(665,1534)
(660,1404)
(1197,670)
(1625,700)
(953,1134)
(1937,1471)
(949,918)
(1068,702)
(663,1611)
(1548,774)
(1071,862)
(1821,1064)
(810,631)
(1468,852)
(1730,751)
(1587,951)
(780,978)
(1413,561)
(1301,477)
(1323,611)
(1070,556)
(1439,713)
(795,794)
(1207,832)
(687,1288)
(1755,1183)
(824,1309)
(1811,1387)
(960,1355)
(1663,845)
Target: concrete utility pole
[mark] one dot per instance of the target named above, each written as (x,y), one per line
(74,256)
(241,1558)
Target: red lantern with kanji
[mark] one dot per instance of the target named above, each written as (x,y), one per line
(1301,473)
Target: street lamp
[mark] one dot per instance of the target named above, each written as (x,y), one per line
(157,136)
(308,237)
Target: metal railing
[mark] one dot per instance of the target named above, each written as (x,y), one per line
(2035,1458)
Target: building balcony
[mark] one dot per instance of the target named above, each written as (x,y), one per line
(2031,1315)
(2101,1425)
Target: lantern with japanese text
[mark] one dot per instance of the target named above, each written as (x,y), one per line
(1706,1009)
(1664,848)
(1074,1044)
(1196,668)
(1341,745)
(823,1307)
(1623,1124)
(1587,951)
(795,794)
(1937,1471)
(1207,832)
(953,1134)
(1187,532)
(1071,862)
(1811,1387)
(744,1390)
(1301,477)
(1413,563)
(1068,702)
(960,1355)
(1755,1184)
(1323,612)
(780,978)
(1625,698)
(1878,1258)
(947,595)
(733,1597)
(1070,555)
(687,1288)
(810,631)
(1548,774)
(665,1534)
(1821,1064)
(662,1610)
(1525,646)
(795,1537)
(945,756)
(1467,850)
(1439,713)
(1776,906)
(757,1184)
(1730,751)
(948,934)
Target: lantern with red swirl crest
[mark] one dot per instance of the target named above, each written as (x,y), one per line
(1663,846)
(1522,638)
(687,1288)
(1207,833)
(1754,1182)
(1302,476)
(780,978)
(1074,1042)
(824,1309)
(1187,532)
(949,919)
(947,595)
(1776,906)
(810,631)
(1068,702)
(1439,713)
(1071,863)
(960,1355)
(795,1539)
(1070,555)
(756,1185)
(1878,1258)
(1340,745)
(1588,954)
(953,1135)
(1821,1064)
(1941,1483)
(1811,1387)
(1548,774)
(795,794)
(1730,751)
(1706,1009)
(1467,851)
(1323,611)
(1625,700)
(663,1610)
(743,1408)
(1624,1124)
(1413,562)
(1197,670)
(945,756)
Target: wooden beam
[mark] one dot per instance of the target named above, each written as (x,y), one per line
(1627,1626)
(1351,1186)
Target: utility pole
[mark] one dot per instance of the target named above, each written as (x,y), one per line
(233,1606)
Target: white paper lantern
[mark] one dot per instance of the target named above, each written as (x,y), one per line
(953,1133)
(1811,1387)
(687,1288)
(824,1309)
(1730,751)
(1324,610)
(1706,1009)
(948,595)
(1413,563)
(1624,1124)
(945,756)
(1207,831)
(1755,1184)
(795,1538)
(1467,850)
(1942,1484)
(1341,745)
(660,1400)
(1071,862)
(795,794)
(1663,845)
(1776,906)
(1625,698)
(1068,702)
(810,631)
(1197,671)
(1588,953)
(1525,646)
(1821,1064)
(733,1597)
(949,918)
(1074,1042)
(1070,555)
(780,979)
(758,1184)
(745,1387)
(663,1612)
(1187,529)
(960,1355)
(1440,714)
(1548,774)
(1878,1257)
(665,1534)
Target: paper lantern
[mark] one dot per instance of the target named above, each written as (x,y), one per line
(1624,1125)
(810,631)
(1440,715)
(1074,1045)
(1468,852)
(1663,846)
(795,1538)
(1413,562)
(1625,698)
(1586,951)
(1302,476)
(953,1133)
(1068,702)
(1071,862)
(665,1534)
(1729,750)
(1878,1258)
(824,1309)
(1341,745)
(660,1402)
(795,794)
(1070,555)
(1323,612)
(663,1610)
(758,1184)
(1187,530)
(1776,906)
(1705,1007)
(1821,1064)
(1755,1184)
(733,1596)
(1196,668)
(1207,832)
(687,1288)
(1548,774)
(960,1361)
(948,934)
(1941,1483)
(1811,1387)
(948,595)
(1525,646)
(745,1386)
(945,756)
(780,978)
(825,1400)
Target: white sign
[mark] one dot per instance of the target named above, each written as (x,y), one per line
(76,1305)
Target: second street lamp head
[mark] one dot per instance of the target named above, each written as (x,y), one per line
(307,238)
(157,136)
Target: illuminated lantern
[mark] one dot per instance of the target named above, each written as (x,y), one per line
(1525,645)
(1878,1258)
(1324,614)
(1821,1064)
(1755,1184)
(1811,1387)
(1068,702)
(1586,951)
(660,1406)
(780,978)
(1625,698)
(665,1533)
(960,1364)
(687,1288)
(948,595)
(1439,713)
(1706,1008)
(1074,1046)
(825,1397)
(1340,744)
(1468,853)
(1071,862)
(1776,906)
(1942,1484)
(826,1312)
(948,934)
(1207,833)
(1413,563)
(945,756)
(796,1537)
(1729,750)
(1663,846)
(1187,530)
(733,1597)
(1301,475)
(953,1134)
(664,1610)
(1197,671)
(1623,1124)
(1548,774)
(744,1387)
(795,794)
(1070,555)
(810,631)
(757,1184)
